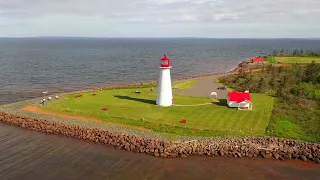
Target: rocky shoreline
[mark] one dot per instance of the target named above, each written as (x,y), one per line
(263,147)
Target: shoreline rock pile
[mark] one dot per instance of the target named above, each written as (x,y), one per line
(264,147)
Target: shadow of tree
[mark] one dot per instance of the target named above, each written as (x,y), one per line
(137,99)
(222,102)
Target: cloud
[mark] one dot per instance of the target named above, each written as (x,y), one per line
(102,14)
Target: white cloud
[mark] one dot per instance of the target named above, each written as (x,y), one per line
(165,1)
(195,16)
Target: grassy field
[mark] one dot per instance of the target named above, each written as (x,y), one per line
(293,60)
(127,107)
(183,85)
(291,121)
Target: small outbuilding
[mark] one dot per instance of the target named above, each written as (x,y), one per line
(240,100)
(258,60)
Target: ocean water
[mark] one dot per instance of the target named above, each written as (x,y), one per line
(29,66)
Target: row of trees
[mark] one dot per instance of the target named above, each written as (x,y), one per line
(295,52)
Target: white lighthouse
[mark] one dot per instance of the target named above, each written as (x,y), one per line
(165,89)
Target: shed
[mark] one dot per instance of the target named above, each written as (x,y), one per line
(240,100)
(258,60)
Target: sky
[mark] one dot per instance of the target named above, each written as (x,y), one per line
(161,18)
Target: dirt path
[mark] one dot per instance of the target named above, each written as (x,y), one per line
(204,87)
(65,115)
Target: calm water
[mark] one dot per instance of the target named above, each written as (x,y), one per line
(33,65)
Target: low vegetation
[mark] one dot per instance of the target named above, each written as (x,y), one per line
(297,88)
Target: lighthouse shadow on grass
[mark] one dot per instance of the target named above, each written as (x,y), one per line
(147,101)
(221,102)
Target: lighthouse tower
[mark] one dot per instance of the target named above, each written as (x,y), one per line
(165,90)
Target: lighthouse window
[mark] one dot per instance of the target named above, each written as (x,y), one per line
(165,62)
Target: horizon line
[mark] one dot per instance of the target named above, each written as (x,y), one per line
(186,37)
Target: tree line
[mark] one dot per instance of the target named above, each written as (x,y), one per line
(295,52)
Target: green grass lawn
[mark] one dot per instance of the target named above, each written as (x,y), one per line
(183,85)
(293,60)
(127,107)
(271,59)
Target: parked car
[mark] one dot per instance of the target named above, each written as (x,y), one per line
(222,88)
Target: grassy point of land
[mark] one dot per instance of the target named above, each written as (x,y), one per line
(293,59)
(127,107)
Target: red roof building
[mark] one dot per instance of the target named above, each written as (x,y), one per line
(258,60)
(240,100)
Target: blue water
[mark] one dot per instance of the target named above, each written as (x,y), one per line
(29,66)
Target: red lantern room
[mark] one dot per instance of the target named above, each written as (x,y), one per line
(165,62)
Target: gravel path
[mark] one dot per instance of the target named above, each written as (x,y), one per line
(204,87)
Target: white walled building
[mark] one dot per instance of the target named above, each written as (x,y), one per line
(165,97)
(240,100)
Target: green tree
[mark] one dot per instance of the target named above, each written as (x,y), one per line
(273,82)
(242,73)
(286,82)
(312,73)
(301,53)
(280,92)
(274,53)
(269,68)
(262,85)
(295,52)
